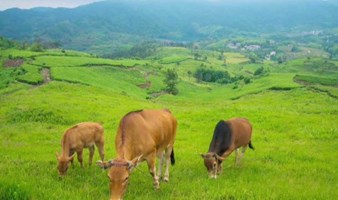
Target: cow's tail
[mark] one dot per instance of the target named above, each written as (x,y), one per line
(172,157)
(250,146)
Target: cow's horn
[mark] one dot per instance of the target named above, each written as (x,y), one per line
(109,164)
(219,157)
(105,165)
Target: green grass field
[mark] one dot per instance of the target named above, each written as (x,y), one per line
(295,129)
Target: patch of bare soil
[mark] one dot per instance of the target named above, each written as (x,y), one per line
(145,85)
(157,94)
(13,63)
(45,72)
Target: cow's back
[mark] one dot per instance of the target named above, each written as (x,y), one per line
(84,134)
(241,130)
(141,132)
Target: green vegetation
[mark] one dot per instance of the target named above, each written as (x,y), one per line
(13,191)
(116,29)
(171,80)
(208,75)
(317,80)
(293,108)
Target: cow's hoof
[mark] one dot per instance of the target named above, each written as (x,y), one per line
(166,179)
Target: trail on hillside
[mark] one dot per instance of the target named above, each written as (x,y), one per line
(147,83)
(45,72)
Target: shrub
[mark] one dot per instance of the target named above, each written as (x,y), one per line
(259,71)
(37,115)
(247,80)
(208,75)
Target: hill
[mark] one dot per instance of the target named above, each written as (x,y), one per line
(292,106)
(110,25)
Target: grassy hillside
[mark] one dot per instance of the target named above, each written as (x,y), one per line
(294,115)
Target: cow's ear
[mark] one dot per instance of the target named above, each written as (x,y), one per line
(57,155)
(133,162)
(203,155)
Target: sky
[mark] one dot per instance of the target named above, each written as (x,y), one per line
(25,4)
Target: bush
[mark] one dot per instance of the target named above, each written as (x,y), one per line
(208,75)
(247,80)
(259,71)
(37,115)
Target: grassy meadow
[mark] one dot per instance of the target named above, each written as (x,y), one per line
(294,117)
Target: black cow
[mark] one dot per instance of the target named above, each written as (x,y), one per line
(228,136)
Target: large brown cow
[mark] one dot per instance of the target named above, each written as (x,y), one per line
(228,136)
(142,135)
(82,135)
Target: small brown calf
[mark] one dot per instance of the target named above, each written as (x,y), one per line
(82,135)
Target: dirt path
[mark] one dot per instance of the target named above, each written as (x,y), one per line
(147,83)
(45,72)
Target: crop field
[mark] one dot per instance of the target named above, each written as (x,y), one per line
(295,129)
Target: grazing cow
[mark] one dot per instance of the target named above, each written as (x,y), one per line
(228,136)
(82,135)
(142,135)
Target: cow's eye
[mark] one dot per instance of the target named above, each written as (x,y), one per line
(126,179)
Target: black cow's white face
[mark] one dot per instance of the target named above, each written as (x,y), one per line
(213,166)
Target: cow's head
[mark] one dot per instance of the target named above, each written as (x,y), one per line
(213,164)
(63,163)
(119,172)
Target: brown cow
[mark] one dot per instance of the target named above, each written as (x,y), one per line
(228,136)
(82,135)
(142,135)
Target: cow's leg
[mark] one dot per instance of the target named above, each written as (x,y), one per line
(100,147)
(167,164)
(160,158)
(80,158)
(219,167)
(152,169)
(237,157)
(243,151)
(72,159)
(91,154)
(226,154)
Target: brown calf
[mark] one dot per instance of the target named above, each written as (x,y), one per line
(82,135)
(228,136)
(142,135)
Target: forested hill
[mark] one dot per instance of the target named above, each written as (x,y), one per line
(102,22)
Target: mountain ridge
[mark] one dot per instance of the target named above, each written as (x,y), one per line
(110,22)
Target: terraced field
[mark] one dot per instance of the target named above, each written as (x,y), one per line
(293,108)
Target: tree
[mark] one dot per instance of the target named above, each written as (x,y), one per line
(37,47)
(171,80)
